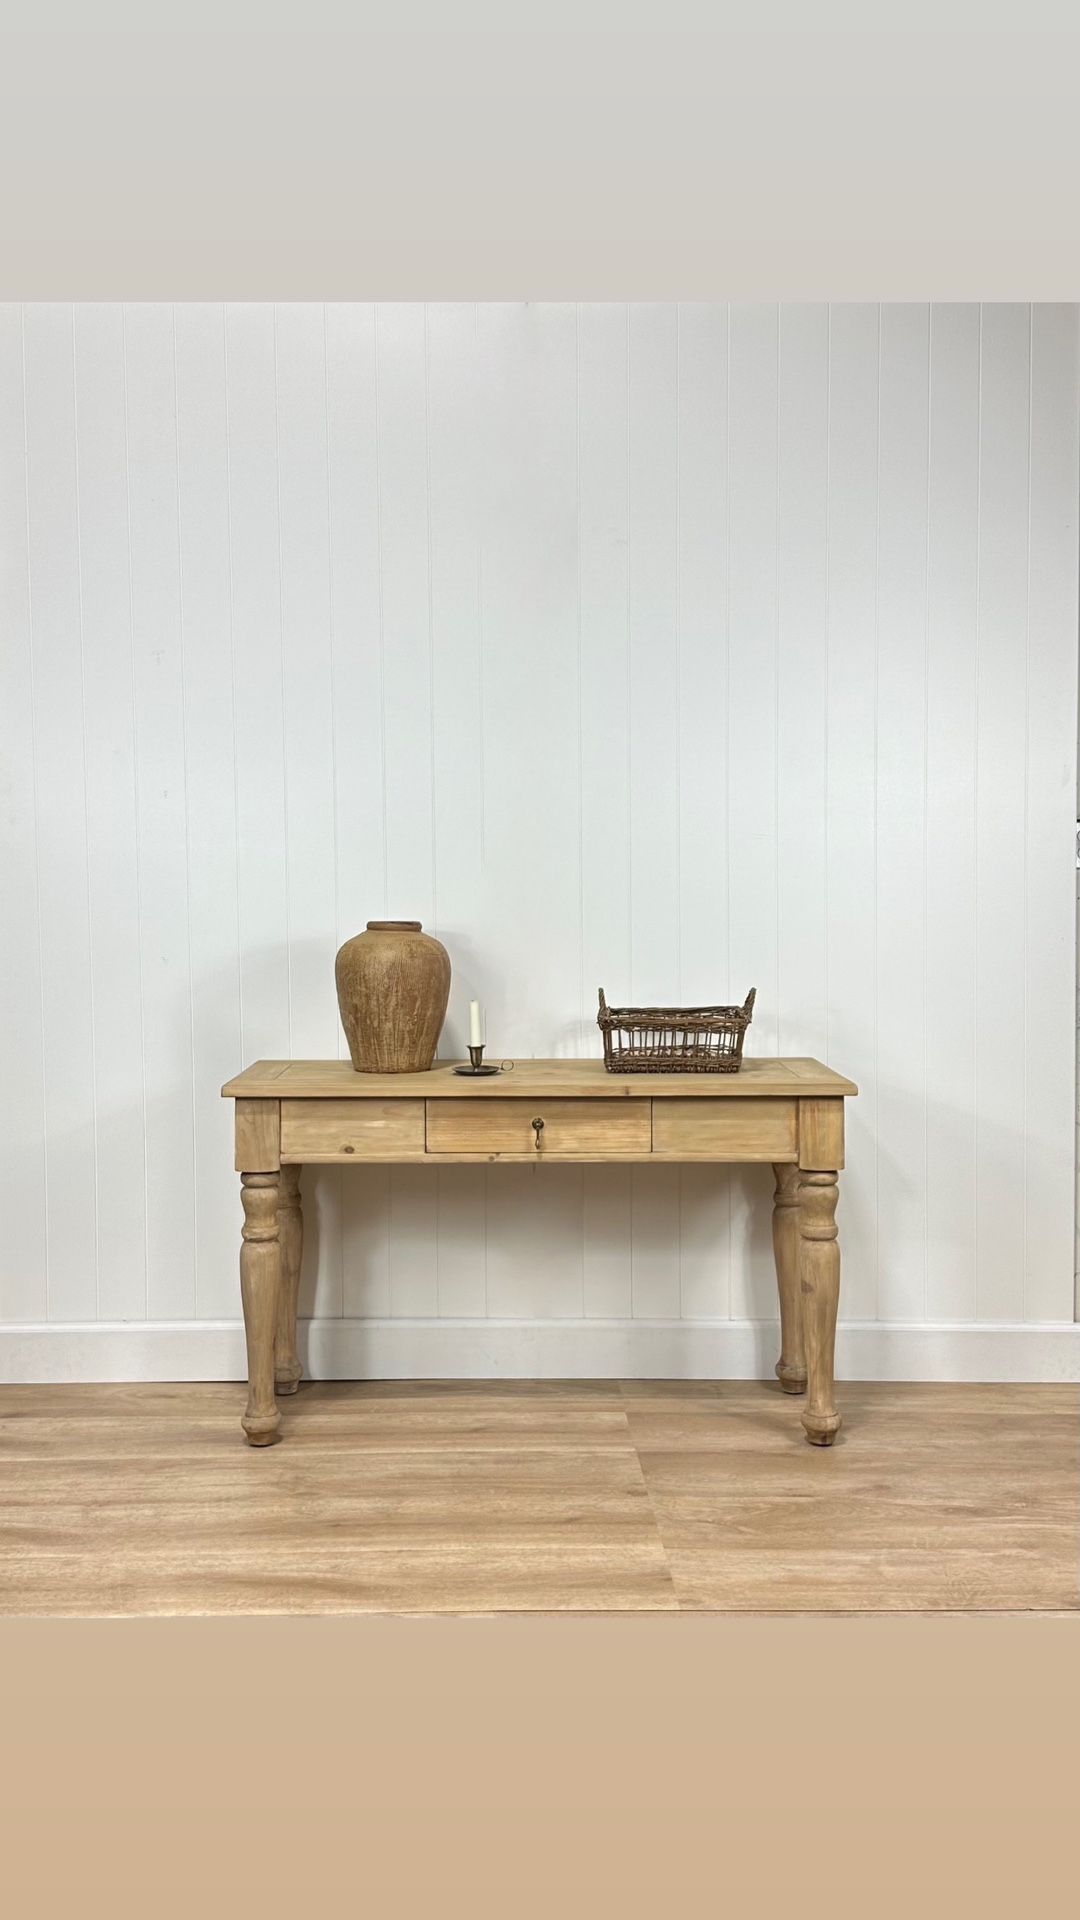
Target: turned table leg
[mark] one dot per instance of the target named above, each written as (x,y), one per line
(819,1281)
(791,1366)
(259,1288)
(288,1371)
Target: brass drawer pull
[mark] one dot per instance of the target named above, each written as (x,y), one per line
(538,1128)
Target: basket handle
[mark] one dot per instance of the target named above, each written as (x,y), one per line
(748,1007)
(603,1002)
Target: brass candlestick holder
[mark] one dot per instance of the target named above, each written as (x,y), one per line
(477,1065)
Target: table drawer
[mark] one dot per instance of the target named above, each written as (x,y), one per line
(572,1129)
(733,1129)
(369,1129)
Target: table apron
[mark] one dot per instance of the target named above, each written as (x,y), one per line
(410,1132)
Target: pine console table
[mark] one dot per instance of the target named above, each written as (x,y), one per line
(787,1112)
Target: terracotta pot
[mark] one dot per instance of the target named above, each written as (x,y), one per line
(393,983)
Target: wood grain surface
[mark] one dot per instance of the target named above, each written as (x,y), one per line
(752,1130)
(314,1130)
(336,1079)
(566,1128)
(466,1497)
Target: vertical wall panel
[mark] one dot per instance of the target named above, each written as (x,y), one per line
(673,649)
(1001,783)
(531,945)
(357,719)
(802,739)
(752,689)
(851,772)
(116,927)
(704,1242)
(414,1242)
(702,562)
(607,1229)
(752,745)
(365,1242)
(255,586)
(462,1248)
(60,762)
(310,744)
(603,604)
(24,1278)
(951,710)
(532,811)
(405,573)
(401,397)
(161,751)
(356,638)
(654,656)
(534,1243)
(655,961)
(655,1243)
(901,812)
(603,595)
(1050,956)
(455,403)
(310,747)
(203,500)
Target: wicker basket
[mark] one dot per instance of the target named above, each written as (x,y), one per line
(674,1039)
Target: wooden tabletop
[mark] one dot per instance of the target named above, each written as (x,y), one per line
(336,1080)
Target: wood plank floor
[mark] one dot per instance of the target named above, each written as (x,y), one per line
(479,1497)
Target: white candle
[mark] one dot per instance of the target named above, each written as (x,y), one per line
(476,1025)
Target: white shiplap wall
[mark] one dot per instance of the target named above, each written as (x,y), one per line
(674,649)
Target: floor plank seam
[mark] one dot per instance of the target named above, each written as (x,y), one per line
(659,1530)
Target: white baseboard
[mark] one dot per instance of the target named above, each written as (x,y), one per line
(537,1349)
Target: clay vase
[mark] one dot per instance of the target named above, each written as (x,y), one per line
(393,983)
